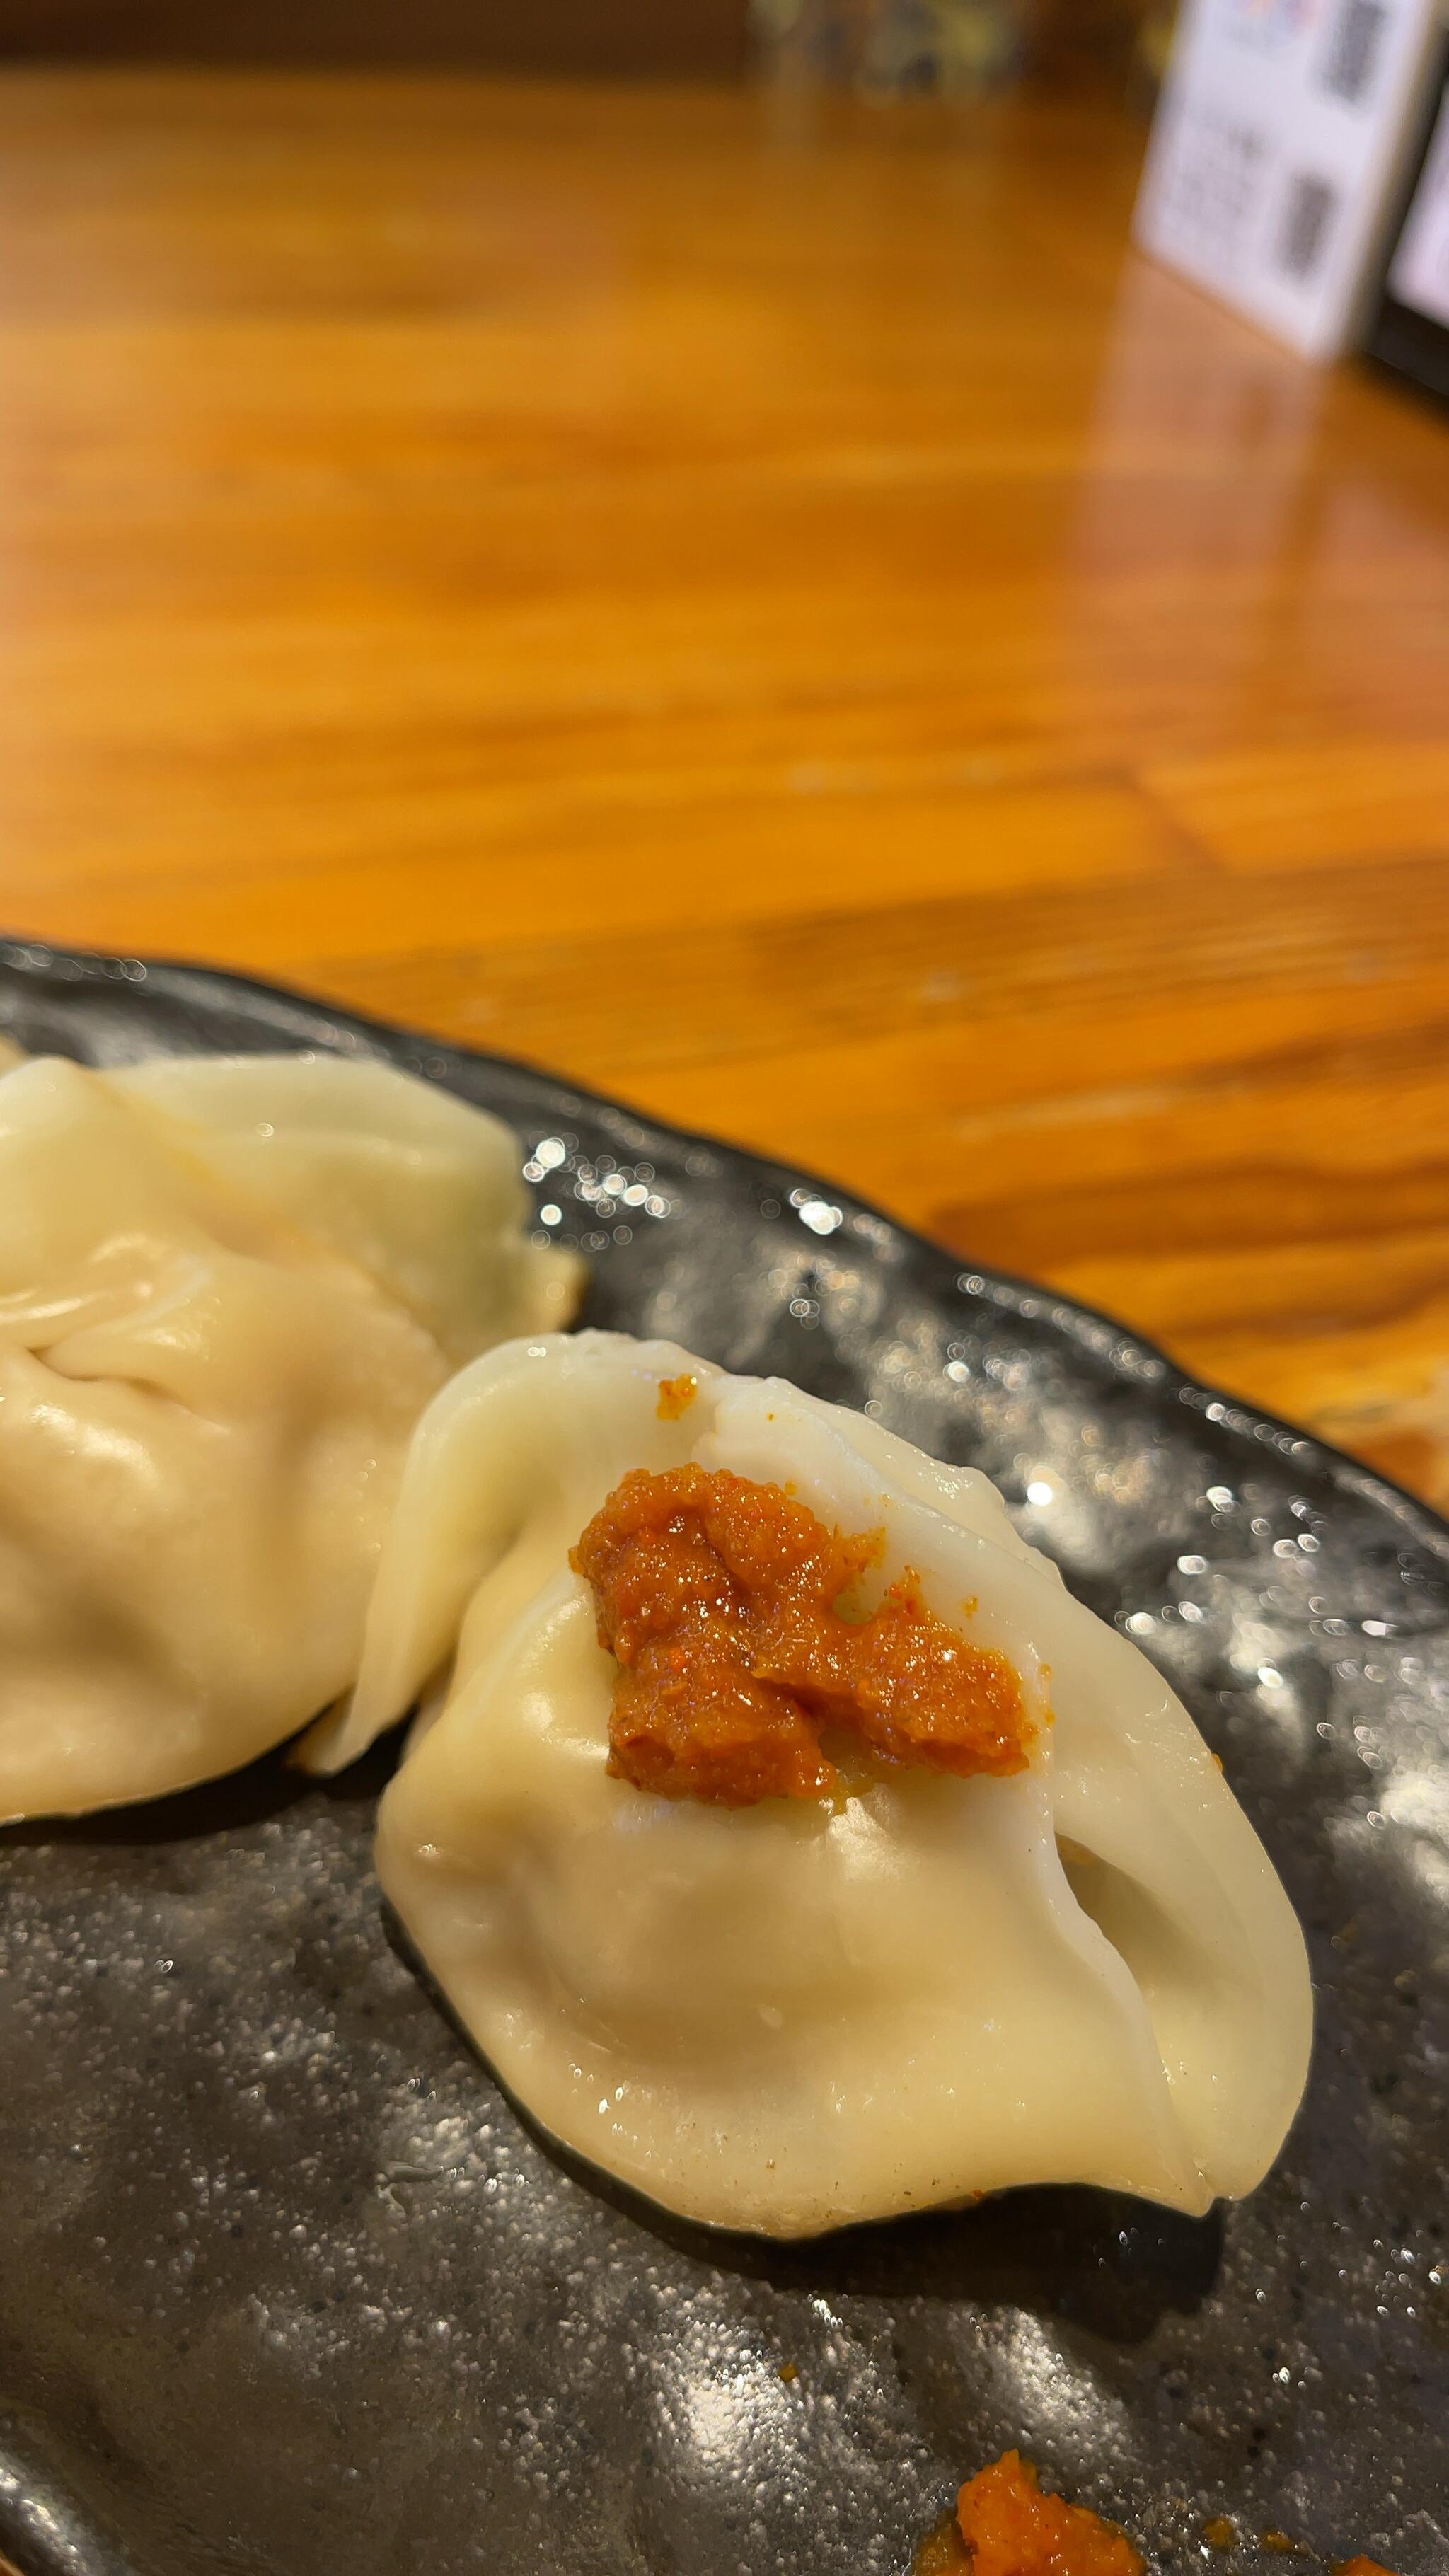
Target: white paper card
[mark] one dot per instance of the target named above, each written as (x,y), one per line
(1279,137)
(1420,273)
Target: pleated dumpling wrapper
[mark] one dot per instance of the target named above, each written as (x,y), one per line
(204,1411)
(419,1188)
(893,1985)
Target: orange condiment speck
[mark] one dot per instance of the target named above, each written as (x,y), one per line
(719,1599)
(943,2552)
(1012,2529)
(676,1395)
(1360,2567)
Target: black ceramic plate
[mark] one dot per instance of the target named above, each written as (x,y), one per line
(288,2286)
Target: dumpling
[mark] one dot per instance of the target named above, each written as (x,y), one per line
(205,1406)
(418,1188)
(930,1899)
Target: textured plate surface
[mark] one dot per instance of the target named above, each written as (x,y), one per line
(289,2287)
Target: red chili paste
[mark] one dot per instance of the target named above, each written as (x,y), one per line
(721,1598)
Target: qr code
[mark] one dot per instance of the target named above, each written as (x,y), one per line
(1312,204)
(1353,48)
(1214,184)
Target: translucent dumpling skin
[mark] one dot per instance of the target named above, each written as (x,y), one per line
(418,1188)
(206,1399)
(800,2013)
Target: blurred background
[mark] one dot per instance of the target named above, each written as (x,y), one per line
(683,541)
(923,42)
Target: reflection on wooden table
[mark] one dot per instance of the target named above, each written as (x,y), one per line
(767,609)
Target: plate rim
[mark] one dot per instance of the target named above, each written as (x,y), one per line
(1240,1415)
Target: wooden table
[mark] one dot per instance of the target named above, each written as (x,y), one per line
(773,612)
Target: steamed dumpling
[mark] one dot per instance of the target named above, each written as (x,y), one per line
(418,1188)
(204,1409)
(803,2011)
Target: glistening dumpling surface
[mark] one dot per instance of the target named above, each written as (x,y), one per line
(785,2017)
(204,1409)
(419,1189)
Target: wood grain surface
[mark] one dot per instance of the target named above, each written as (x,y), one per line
(774,612)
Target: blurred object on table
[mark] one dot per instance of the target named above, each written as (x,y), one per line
(649,38)
(1410,331)
(1283,134)
(891,48)
(950,48)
